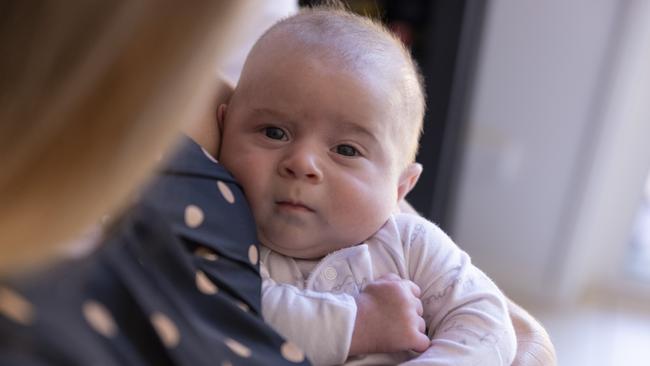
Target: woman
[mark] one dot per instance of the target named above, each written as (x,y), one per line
(92,92)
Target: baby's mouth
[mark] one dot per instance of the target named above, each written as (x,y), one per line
(293,206)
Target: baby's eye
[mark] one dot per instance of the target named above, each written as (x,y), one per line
(275,133)
(346,150)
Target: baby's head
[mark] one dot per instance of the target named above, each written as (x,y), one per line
(322,131)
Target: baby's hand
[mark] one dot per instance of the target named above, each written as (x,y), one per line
(389,318)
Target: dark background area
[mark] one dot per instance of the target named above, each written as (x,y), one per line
(444,38)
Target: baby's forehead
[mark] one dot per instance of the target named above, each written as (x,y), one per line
(359,52)
(358,47)
(377,65)
(381,68)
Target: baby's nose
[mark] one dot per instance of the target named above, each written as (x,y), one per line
(302,164)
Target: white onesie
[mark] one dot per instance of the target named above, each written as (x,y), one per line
(466,314)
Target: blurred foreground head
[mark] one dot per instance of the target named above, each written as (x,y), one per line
(91,92)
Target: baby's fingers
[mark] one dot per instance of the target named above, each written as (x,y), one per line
(390,277)
(418,340)
(422,343)
(415,289)
(422,326)
(420,308)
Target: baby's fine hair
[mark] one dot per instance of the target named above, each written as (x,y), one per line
(360,44)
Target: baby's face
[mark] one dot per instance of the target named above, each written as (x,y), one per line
(312,147)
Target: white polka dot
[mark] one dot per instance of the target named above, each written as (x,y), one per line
(204,284)
(99,318)
(166,329)
(242,306)
(209,156)
(226,192)
(292,353)
(253,255)
(15,307)
(238,348)
(207,254)
(193,216)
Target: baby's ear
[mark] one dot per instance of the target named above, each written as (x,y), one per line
(221,118)
(221,115)
(408,179)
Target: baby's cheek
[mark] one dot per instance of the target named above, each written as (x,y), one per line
(364,220)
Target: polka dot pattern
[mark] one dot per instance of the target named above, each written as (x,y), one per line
(242,306)
(166,329)
(238,348)
(253,254)
(226,192)
(206,254)
(99,318)
(173,232)
(292,353)
(209,156)
(193,216)
(15,307)
(204,284)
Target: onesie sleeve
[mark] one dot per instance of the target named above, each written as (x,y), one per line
(320,323)
(465,312)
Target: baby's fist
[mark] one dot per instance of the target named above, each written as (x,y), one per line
(389,318)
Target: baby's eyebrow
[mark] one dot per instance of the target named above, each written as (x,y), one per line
(354,128)
(262,110)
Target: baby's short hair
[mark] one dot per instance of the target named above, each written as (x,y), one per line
(359,42)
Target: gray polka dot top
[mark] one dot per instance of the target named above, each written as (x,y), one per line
(175,281)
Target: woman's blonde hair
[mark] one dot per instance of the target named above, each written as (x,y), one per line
(91,91)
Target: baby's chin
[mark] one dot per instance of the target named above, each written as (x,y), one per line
(296,251)
(298,248)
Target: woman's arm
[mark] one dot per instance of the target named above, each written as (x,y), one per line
(534,347)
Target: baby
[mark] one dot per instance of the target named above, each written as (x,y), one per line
(322,132)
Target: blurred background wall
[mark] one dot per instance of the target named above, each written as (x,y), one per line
(551,196)
(556,152)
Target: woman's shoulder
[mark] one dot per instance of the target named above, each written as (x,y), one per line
(142,298)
